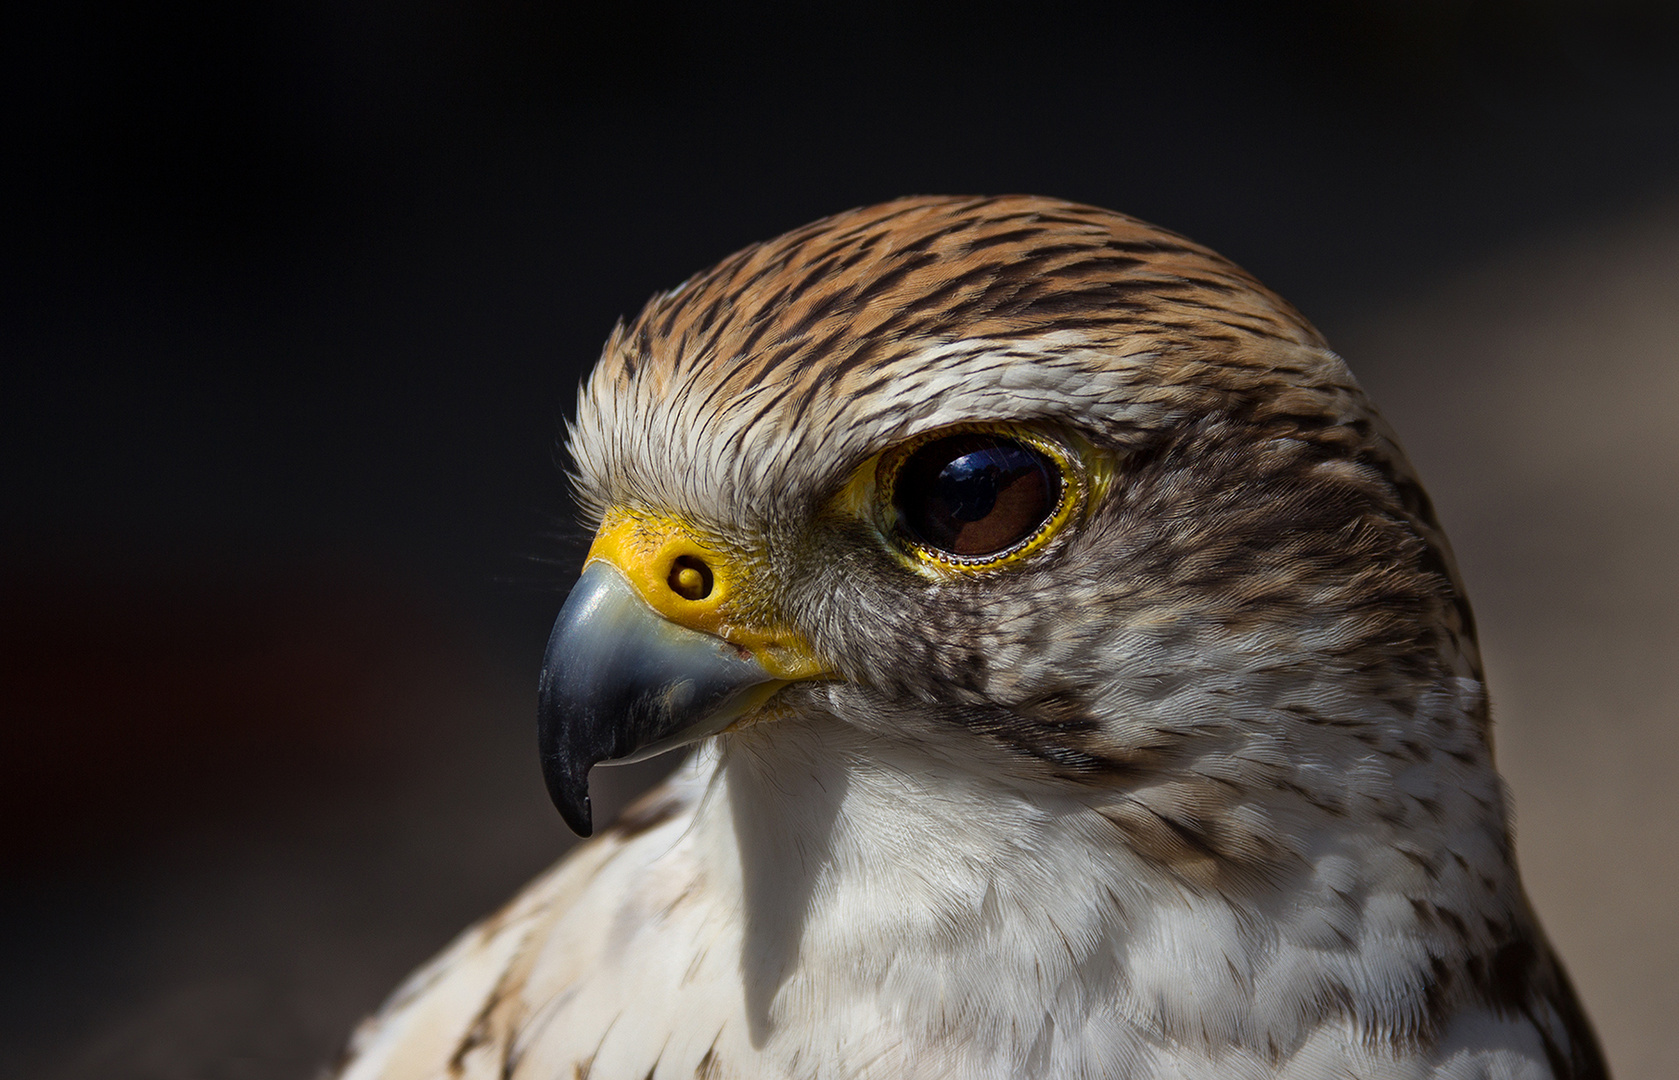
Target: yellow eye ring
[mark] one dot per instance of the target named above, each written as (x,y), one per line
(1042,524)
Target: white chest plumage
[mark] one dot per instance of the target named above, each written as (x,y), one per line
(682,946)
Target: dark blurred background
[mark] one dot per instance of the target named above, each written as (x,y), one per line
(295,298)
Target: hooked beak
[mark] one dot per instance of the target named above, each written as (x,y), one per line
(661,643)
(620,682)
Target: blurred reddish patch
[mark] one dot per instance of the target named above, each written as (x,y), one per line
(137,705)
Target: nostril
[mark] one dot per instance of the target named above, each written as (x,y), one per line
(690,578)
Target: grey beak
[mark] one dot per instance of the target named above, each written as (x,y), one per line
(620,682)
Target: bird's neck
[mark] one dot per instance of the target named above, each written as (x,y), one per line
(889,881)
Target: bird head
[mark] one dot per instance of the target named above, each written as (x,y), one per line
(1057,496)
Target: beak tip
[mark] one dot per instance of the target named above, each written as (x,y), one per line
(568,787)
(578,818)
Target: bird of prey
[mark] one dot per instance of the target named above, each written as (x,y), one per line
(1081,686)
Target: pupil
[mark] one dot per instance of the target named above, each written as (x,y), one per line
(968,486)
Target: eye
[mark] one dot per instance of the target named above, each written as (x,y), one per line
(976,496)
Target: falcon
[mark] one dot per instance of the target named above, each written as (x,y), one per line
(1080,685)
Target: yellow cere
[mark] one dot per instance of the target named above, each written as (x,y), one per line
(696,584)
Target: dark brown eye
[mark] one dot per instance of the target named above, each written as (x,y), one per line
(975,495)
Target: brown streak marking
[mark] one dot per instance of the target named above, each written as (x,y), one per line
(892,277)
(709,1067)
(1001,238)
(816,272)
